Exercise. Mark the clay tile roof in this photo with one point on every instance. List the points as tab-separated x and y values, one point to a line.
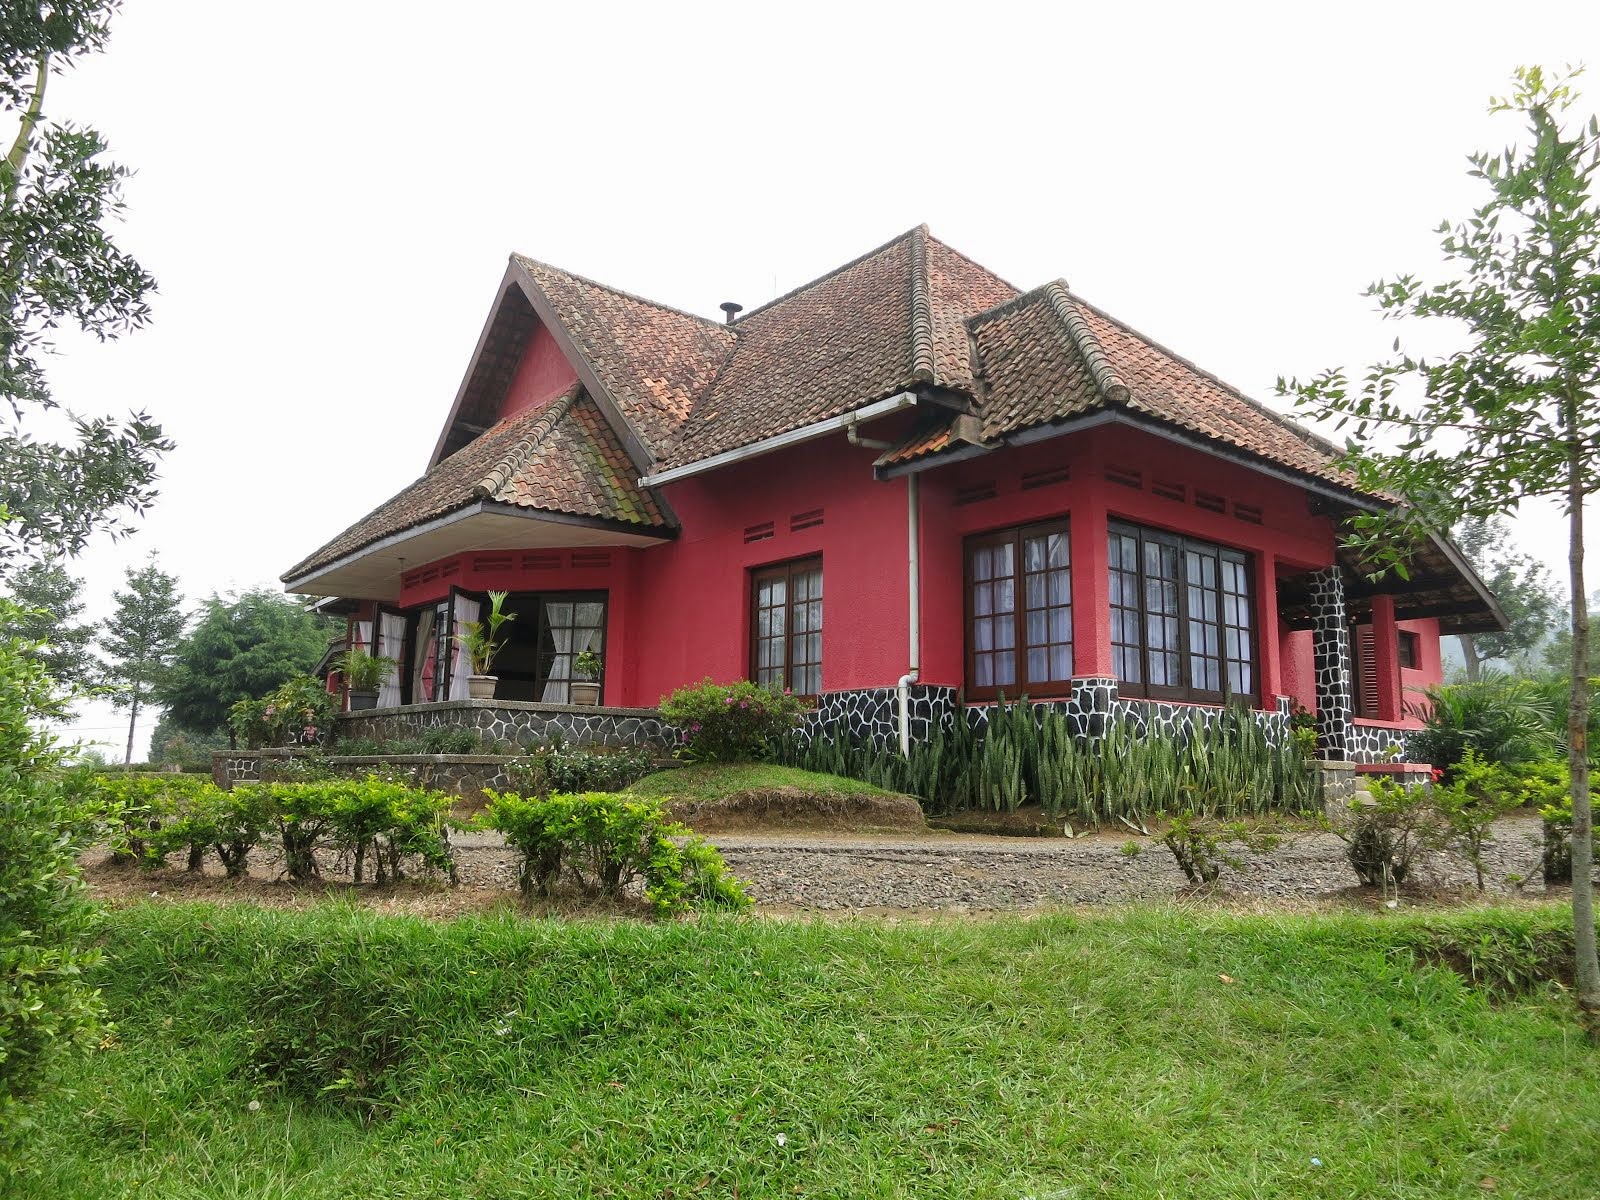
1048	355
561	458
652	360
881	324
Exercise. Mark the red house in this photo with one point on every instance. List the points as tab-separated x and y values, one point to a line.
903	482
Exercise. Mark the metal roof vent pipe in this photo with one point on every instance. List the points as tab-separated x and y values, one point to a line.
731	309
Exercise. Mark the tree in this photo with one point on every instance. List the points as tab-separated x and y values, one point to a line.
1513	413
47	606
141	640
240	649
57	265
46	1004
1558	650
1519	581
170	744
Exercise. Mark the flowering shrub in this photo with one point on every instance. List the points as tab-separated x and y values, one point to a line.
725	722
299	712
559	766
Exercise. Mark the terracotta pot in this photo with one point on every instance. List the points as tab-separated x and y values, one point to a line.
481	687
585	692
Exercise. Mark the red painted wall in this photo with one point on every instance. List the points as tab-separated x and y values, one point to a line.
681	610
1300	679
543	373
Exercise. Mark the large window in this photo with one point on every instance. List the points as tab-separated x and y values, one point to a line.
1019	612
1182	617
538	660
786	620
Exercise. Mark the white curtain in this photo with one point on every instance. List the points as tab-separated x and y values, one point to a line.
391	640
558	619
460	661
424	670
362	638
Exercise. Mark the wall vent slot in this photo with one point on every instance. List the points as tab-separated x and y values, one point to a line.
450	570
977	493
1210	501
759	533
540	562
1247	512
1125	477
806	520
410	579
1046	477
1168	490
591	558
492	562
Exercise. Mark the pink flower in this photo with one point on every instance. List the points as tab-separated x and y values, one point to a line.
695	728
727	699
744	704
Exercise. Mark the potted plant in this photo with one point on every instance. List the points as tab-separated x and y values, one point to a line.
587	671
363	674
483	643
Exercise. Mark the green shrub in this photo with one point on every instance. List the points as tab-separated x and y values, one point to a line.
558	766
1547	786
358	817
606	842
1478	794
730	722
46	1006
1384	834
136	812
1197	842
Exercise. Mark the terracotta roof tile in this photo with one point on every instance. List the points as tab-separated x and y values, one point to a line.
1048	356
652	360
881	324
561	458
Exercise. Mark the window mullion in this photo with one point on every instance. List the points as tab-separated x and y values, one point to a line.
1019	614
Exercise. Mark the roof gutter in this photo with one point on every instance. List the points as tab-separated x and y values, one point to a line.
899	402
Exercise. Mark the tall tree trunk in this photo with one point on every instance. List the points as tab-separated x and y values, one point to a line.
1588	963
1469	651
133	720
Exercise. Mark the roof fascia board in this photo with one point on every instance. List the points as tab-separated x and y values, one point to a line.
506	281
1470	574
631	442
805	433
461	514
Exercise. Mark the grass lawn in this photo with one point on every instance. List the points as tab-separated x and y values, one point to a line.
717	781
1167	1052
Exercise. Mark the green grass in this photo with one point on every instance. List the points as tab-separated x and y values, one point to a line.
1069	1056
715	781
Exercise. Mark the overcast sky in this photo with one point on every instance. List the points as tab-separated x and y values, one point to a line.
327	193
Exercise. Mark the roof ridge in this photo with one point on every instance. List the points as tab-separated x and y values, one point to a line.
967	258
826	275
1106	377
923	366
511	462
986	315
524	260
1306	435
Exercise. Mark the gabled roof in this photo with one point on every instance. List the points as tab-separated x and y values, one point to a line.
563	458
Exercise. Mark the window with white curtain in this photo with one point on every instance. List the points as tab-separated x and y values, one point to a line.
569	624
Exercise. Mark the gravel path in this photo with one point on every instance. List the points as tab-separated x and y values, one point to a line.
970	873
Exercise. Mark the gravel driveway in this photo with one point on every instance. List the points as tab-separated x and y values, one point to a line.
959	872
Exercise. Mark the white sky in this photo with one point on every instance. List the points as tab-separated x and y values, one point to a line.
327	193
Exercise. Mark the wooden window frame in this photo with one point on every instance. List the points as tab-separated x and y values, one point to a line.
1015	535
1186	692
785	570
1408	649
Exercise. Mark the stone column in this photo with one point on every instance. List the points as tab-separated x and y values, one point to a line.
1330	647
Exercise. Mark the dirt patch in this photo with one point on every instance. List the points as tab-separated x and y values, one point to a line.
792	808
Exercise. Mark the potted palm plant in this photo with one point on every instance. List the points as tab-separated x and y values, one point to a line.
587	670
363	674
482	641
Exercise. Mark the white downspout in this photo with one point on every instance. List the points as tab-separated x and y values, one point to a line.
913	591
914	608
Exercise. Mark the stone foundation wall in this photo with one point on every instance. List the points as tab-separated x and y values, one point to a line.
516	722
1377	745
871	714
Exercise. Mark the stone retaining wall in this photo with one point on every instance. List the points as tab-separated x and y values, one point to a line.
515	721
464	775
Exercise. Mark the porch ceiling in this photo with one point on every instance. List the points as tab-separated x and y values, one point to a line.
373	573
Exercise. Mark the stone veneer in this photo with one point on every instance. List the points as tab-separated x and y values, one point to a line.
1330	649
869	714
515	721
